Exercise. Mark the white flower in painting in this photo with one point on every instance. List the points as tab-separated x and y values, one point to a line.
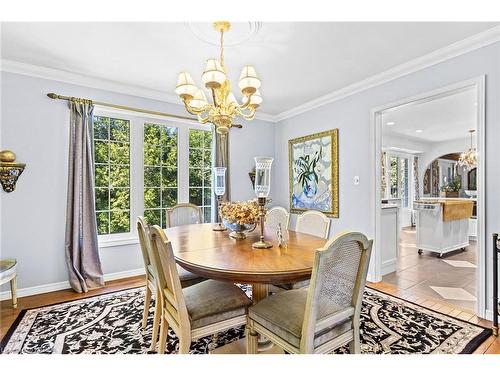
319	168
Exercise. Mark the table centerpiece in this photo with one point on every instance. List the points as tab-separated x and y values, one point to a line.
239	217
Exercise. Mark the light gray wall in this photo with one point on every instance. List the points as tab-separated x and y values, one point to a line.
352	116
33	216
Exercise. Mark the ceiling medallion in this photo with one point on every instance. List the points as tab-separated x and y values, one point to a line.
224	107
240	32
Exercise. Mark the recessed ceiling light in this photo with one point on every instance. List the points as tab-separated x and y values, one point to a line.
418	131
390	123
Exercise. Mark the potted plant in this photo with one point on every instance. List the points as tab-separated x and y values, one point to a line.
451	189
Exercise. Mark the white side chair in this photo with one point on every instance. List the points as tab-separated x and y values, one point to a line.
278	215
184	214
8	272
314	223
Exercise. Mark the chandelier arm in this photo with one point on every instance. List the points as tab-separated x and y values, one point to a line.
247	116
203	120
195	111
247	103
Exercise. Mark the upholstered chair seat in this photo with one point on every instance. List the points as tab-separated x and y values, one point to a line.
187	278
283	314
213	301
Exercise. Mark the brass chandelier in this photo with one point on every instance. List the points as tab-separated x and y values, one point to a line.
468	159
224	107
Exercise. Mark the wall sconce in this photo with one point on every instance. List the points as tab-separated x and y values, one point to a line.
9	170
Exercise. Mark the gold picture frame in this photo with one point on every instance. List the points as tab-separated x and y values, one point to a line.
314	173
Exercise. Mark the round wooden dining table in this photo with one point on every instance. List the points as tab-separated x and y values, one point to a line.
215	255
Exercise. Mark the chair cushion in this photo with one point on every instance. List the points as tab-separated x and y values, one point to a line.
283	314
7	268
213	301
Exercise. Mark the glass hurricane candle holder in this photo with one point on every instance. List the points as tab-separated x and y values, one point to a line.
220	190
262	189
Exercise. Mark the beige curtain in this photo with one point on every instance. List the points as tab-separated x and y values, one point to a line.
222	160
82	253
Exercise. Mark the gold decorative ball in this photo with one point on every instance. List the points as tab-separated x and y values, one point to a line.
7	156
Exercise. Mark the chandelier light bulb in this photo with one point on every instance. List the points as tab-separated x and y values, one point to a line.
214	76
199	100
185	88
249	82
255	99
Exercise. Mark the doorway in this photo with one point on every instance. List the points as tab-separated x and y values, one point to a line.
420	174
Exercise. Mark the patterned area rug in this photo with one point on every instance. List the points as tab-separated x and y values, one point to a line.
111	324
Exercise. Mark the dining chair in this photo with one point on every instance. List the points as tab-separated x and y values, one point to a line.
314	223
325	316
277	215
310	222
197	311
183	214
187	278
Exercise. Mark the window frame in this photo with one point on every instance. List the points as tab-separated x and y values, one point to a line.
136	137
399	156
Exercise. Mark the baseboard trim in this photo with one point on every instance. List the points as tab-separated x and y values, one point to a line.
46	288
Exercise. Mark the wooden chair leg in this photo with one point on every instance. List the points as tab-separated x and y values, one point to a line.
354	345
252	341
147	303
156	322
213	344
163	336
184	344
13	291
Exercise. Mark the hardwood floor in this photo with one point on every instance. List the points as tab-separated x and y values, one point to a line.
8	314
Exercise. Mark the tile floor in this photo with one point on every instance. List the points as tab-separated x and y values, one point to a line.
451	279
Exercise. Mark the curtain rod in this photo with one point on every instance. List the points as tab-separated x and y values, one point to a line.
124	107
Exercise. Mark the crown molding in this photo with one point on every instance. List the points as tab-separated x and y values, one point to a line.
456	49
17	67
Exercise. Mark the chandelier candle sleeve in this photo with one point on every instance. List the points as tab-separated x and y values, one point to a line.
220	189
262	189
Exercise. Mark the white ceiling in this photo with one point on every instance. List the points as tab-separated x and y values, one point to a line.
297	62
441	119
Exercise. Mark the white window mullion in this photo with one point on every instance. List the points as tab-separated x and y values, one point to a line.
183	165
136	171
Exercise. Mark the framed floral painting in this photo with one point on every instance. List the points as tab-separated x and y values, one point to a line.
314	173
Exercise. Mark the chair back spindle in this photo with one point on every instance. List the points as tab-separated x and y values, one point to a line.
162	258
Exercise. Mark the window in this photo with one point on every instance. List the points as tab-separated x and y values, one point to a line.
399	179
145	165
112	174
160	172
200	171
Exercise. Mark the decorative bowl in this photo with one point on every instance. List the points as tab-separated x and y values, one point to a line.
239	231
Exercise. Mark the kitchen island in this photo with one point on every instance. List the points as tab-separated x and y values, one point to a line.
442	224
